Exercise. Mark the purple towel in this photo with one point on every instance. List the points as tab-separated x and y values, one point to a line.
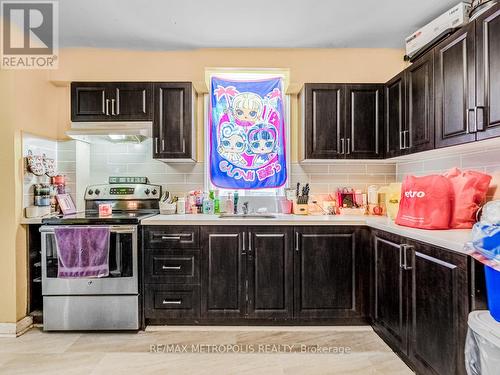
82	252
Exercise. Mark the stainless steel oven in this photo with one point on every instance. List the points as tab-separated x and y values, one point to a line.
106	303
93	303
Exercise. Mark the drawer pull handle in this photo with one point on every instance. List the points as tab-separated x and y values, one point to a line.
171	267
172	302
171	238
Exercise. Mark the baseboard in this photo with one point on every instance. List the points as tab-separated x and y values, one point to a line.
16	329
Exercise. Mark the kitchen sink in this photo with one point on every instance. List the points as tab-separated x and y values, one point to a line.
247	216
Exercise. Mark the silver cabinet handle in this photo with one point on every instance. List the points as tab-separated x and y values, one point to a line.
467	121
113	107
156	145
244	240
107	107
163	144
480	124
249	241
171	238
297	239
170	267
405	257
172	302
401	141
348	148
401	247
342	145
403	263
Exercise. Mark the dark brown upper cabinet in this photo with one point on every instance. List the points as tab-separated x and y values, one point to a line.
395	123
364	130
323	106
487	114
342	121
111	101
419	112
455	88
132	101
409	109
173	124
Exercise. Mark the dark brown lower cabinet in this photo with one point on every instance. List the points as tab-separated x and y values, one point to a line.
416	296
390	285
247	273
223	272
422	303
328	284
270	273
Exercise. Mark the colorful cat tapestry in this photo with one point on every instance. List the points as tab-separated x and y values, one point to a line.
247	134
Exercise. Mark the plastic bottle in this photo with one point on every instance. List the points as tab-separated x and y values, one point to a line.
181	206
206	203
216	202
235	204
228	204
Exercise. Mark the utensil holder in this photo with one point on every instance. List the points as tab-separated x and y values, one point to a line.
168	208
300	209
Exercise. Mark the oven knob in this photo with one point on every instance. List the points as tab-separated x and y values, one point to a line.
154	192
97	191
90	192
147	191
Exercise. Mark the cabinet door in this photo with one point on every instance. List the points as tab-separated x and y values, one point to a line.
132	101
419	133
324	118
395	116
364	134
270	272
90	102
488	73
325	273
439	305
390	294
455	88
173	121
223	272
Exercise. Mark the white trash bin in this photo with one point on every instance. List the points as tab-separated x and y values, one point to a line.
482	346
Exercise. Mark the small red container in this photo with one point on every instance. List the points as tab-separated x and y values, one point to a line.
105	209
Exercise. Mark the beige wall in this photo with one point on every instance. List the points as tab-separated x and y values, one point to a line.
26	104
38	102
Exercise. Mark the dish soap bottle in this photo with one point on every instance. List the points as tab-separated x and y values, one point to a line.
216	202
228	204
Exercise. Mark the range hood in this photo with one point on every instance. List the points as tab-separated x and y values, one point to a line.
114	132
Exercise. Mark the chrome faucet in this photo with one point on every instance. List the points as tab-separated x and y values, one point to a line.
245	208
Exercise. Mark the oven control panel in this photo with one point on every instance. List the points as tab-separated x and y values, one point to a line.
122	191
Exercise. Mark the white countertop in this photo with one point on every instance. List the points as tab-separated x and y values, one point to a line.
453	239
31	220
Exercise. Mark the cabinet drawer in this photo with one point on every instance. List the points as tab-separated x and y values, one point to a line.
173	267
177	237
172	302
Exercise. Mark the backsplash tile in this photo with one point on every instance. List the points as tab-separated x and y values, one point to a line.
487	161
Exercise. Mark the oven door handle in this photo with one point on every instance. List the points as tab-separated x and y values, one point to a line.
112	229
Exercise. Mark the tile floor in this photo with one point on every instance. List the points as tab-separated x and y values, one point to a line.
175	350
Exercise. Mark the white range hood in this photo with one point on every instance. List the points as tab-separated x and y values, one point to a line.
114	132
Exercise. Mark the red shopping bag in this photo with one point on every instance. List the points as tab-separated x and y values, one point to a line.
425	202
469	192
